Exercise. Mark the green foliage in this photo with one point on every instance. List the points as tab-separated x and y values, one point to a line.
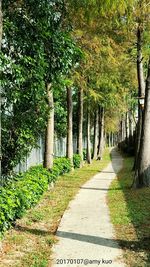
60	112
36	49
76	160
20	195
26	190
62	164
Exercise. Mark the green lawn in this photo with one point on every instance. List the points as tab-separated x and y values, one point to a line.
29	242
130	214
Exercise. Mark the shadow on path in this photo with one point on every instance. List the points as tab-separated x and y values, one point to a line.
101	241
38	232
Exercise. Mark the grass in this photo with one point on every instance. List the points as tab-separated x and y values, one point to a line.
29	242
130	214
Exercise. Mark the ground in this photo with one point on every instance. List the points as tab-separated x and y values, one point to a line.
30	241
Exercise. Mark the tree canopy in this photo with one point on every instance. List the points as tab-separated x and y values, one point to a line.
88	45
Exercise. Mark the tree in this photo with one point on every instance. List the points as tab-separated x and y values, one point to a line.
69	149
142	173
25	65
47	55
101	133
30	62
140	73
49	137
80	123
95	143
88	154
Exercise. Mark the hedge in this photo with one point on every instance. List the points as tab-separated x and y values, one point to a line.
26	190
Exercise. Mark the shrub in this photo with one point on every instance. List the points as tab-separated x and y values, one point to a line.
76	160
21	195
26	190
63	164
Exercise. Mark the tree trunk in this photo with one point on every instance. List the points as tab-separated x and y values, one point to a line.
130	129
121	131
141	91
138	137
95	135
142	173
49	137
127	129
101	133
99	125
80	125
112	139
69	148
88	154
124	129
140	72
109	141
0	87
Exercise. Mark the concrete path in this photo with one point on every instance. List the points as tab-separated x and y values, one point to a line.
86	235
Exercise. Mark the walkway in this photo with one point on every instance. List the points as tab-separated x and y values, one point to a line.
86	235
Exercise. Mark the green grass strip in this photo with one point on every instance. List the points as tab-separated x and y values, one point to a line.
130	215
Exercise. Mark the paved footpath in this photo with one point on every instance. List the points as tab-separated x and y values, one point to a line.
86	235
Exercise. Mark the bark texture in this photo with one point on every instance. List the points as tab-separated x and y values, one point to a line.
69	148
101	133
141	91
80	124
109	140
142	173
124	129
130	129
88	155
121	131
49	137
112	139
127	128
95	145
140	72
